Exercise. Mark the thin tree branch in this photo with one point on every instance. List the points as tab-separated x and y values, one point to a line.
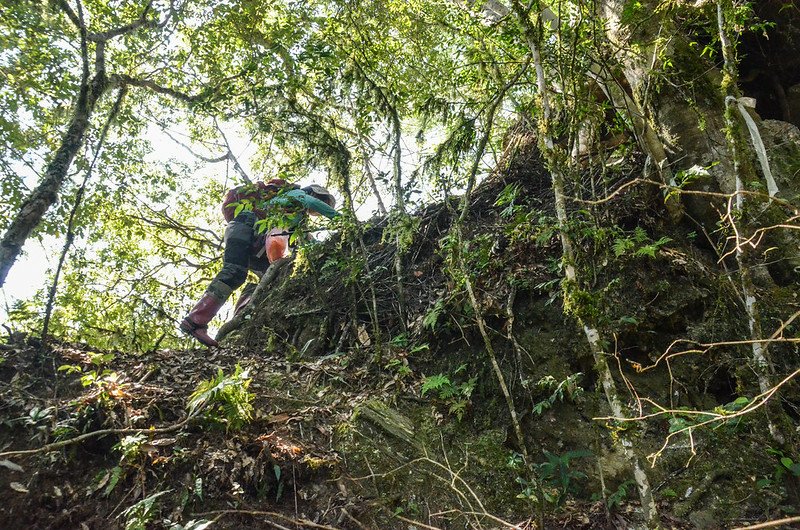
208	159
230	156
155	87
142	21
71	14
103	432
770	524
256	513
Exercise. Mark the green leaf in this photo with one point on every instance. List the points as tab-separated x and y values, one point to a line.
116	473
198	488
458	408
435	382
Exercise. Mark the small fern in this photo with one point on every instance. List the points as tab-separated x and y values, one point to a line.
638	243
561	391
224	399
456	396
436	382
432	317
140	514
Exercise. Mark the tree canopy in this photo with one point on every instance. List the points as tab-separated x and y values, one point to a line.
387	101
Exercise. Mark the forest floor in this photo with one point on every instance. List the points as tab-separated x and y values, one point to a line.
154	469
329	407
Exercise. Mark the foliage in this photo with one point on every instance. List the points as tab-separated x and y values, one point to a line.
638	244
680	421
557	474
785	469
619	495
386	98
559	391
108	479
140	514
468	257
192	524
40	418
456	396
431	318
507	200
224	399
401	230
130	446
399	366
107	386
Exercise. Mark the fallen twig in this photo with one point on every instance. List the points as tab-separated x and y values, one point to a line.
353	519
770	524
103	432
255	513
416	523
755	403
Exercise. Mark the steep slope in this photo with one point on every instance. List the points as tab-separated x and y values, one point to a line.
363	419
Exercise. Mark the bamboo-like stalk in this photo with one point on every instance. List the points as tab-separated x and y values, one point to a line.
482	327
400	211
73	214
546	146
359	236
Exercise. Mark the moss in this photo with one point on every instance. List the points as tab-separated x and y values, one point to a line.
584	305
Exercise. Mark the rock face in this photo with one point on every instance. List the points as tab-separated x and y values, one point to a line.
793	103
771	59
782	140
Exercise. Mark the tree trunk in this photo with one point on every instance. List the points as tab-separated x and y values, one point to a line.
554	166
74	214
676	135
46	193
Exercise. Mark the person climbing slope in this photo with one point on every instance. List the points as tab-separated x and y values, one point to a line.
261	218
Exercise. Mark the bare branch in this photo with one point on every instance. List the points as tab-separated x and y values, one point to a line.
155	87
103	432
71	14
142	21
230	156
714	417
255	513
210	160
770	524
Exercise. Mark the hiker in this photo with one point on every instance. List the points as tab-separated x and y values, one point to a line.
248	250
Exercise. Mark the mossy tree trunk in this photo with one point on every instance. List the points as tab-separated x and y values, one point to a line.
555	163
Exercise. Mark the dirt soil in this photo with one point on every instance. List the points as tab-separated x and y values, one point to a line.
396	419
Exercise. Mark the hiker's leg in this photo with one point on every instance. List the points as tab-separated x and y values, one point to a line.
238	239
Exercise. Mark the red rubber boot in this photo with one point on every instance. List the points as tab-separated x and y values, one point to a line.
196	322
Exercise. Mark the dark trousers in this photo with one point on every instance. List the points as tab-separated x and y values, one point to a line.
241	255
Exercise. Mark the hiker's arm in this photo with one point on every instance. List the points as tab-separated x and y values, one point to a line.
312	203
